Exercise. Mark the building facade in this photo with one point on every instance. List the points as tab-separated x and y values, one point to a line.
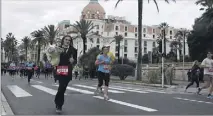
109	26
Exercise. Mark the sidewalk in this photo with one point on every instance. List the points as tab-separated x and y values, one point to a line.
5	108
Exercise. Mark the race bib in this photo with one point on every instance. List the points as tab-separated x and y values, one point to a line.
62	70
210	69
106	67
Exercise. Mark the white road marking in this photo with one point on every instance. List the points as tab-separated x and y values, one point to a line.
18	92
45	89
192	100
89	87
2	110
136	91
78	90
37	81
128	104
148	90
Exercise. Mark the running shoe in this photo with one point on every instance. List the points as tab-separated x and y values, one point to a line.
210	97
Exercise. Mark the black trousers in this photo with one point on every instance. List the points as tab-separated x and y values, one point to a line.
30	74
193	79
103	77
59	98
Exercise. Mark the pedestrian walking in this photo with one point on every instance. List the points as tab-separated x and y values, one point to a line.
68	59
195	72
207	64
103	63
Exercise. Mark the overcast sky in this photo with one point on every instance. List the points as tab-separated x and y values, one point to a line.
21	17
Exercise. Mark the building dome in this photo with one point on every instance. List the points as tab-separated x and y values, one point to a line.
93	11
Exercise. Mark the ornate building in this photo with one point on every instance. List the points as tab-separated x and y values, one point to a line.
110	26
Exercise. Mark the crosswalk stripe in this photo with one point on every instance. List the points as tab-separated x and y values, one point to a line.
139	89
136	91
78	90
128	104
37	81
89	87
45	89
18	92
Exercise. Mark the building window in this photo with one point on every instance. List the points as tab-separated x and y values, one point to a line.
125	49
97	26
116	54
136	35
98	46
97	32
125	42
153	45
153	36
136	29
98	40
153	30
136	49
144	30
83	16
93	16
136	42
145	50
145	43
66	26
102	26
116	28
125	34
116	33
170	37
101	33
136	55
126	28
125	55
144	35
170	32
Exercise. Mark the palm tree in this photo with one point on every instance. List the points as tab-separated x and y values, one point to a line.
140	11
208	4
50	33
174	45
181	35
84	27
26	42
163	26
38	38
118	39
10	45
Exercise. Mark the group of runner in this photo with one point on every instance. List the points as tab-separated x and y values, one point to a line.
207	65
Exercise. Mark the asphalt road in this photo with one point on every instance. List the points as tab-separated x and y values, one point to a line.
38	99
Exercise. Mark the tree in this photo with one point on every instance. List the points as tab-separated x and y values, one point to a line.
10	46
200	40
50	33
38	38
118	39
181	35
26	41
84	28
164	26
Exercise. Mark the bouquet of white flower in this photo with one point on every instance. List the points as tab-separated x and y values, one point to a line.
53	53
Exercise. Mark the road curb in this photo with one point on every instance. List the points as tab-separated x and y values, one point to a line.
5	105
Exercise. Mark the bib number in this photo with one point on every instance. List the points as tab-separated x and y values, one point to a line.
106	67
210	69
62	70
